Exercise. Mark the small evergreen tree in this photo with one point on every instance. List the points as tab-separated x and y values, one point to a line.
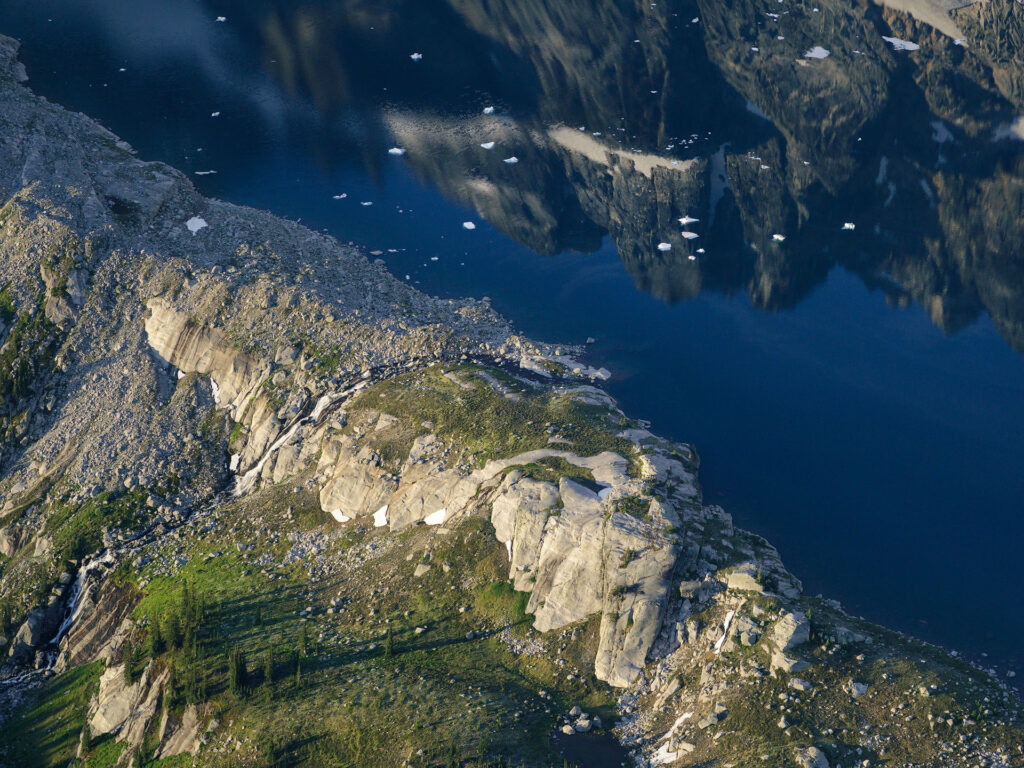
156	640
268	667
238	673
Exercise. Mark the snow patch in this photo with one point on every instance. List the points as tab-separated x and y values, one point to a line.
195	224
380	517
817	52
436	518
340	516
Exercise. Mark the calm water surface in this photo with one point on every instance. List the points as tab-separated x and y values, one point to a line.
855	394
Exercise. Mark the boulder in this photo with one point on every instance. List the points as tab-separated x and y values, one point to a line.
745	577
791	630
812	757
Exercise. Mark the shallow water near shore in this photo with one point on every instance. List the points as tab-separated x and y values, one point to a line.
854	398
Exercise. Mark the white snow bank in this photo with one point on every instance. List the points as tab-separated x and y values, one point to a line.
436	518
380	517
195	224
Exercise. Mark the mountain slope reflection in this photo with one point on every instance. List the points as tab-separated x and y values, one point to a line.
633	116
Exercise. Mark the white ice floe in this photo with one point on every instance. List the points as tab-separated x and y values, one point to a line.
436	518
689	235
468	225
222	18
488	110
664	246
901	45
205	173
940	133
687	220
215	114
691	257
512	160
366	202
380	517
488	145
195	224
396	151
779	238
416	56
849	226
340	516
342	196
817	52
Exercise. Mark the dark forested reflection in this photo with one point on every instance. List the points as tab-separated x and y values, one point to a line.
700	109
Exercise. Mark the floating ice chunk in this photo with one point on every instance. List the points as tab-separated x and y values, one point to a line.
817	52
488	145
342	196
940	133
849	226
366	202
416	56
380	517
215	114
468	225
436	518
687	220
396	151
779	238
123	69
488	110
512	160
205	173
664	246
901	45
690	235
691	257
222	18
340	516
700	250
195	224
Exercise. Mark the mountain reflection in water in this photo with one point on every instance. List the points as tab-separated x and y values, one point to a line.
626	117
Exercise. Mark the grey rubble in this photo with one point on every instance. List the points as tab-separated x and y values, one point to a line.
273	329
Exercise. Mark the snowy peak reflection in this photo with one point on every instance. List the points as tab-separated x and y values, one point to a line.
746	146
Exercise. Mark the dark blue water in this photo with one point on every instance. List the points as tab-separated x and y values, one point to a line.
856	396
